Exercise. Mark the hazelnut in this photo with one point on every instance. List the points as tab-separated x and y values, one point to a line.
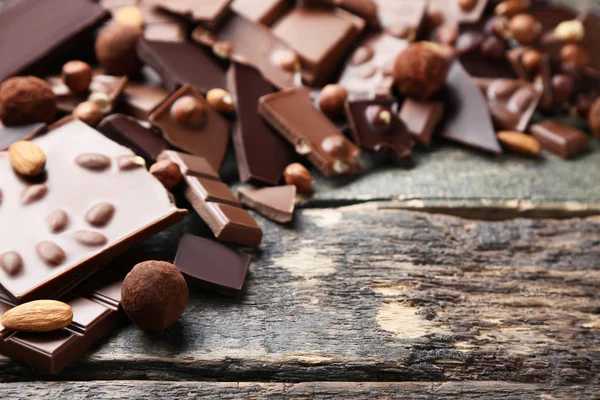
562	88
531	60
332	99
434	18
220	100
222	49
594	118
77	75
493	48
335	146
575	54
129	16
286	59
167	172
570	31
496	26
467	5
447	35
510	8
88	112
421	70
296	174
188	110
378	116
25	100
154	295
116	49
102	100
524	28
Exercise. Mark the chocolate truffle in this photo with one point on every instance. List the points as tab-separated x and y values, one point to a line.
25	100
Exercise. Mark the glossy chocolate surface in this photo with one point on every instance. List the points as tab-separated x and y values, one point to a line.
11	134
421	118
67	101
560	139
264	12
276	203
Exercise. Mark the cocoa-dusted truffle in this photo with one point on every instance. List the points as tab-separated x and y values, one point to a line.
25	100
116	49
154	295
421	70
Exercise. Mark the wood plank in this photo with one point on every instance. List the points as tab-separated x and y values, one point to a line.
308	390
362	294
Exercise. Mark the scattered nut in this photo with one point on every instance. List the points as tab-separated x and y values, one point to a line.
524	28
33	193
167	172
571	31
378	116
116	49
25	100
332	100
93	161
421	70
102	100
520	143
575	54
11	262
286	59
26	158
57	221
531	60
296	174
50	253
467	5
100	214
188	110
335	146
222	49
77	75
129	16
510	8
154	295
38	316
594	118
88	112
220	100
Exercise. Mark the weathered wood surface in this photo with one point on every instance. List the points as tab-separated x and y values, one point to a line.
308	390
367	294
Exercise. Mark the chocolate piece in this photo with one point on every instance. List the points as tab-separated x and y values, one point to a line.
212	265
138	213
560	139
252	137
94	316
369	71
142	97
401	18
421	118
129	133
292	113
550	16
276	203
181	63
468	118
206	12
321	37
207	139
214	202
11	134
255	44
375	126
264	12
454	14
591	25
41	32
67	101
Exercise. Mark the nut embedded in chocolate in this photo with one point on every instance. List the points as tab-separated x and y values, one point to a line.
332	99
296	174
594	118
25	100
154	295
531	60
575	54
102	100
286	59
116	49
222	49
188	110
379	116
421	70
88	112
77	75
167	172
524	28
335	146
220	100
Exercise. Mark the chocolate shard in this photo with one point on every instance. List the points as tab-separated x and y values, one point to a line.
421	118
12	134
265	12
252	137
211	265
468	119
560	139
276	203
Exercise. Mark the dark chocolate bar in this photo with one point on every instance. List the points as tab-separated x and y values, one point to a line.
421	118
11	134
214	202
83	211
560	139
276	203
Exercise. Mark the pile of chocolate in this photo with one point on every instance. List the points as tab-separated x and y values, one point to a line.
112	111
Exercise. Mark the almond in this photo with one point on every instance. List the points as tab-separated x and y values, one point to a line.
38	316
520	143
26	158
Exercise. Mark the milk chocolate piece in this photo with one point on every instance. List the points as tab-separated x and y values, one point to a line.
214	202
264	12
208	139
144	94
468	119
560	139
276	203
37	34
181	63
366	9
401	18
206	12
212	265
137	214
11	134
128	132
321	36
292	113
67	101
252	137
421	118
368	72
375	126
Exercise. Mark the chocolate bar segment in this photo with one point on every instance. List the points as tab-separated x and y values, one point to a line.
401	18
560	139
421	118
214	202
84	181
208	139
252	137
11	134
292	113
264	12
276	203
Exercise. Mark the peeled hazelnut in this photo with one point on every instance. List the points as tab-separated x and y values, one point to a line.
467	5
154	295
167	172
332	99
26	158
296	174
88	112
531	60
447	35
510	8
575	54
562	88
116	49
378	116
493	48
188	110
335	146
77	75
570	31
25	100
129	16
220	100
286	59
102	101
594	118
524	28
222	49
421	70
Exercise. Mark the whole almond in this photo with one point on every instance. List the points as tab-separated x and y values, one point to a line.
520	143
100	214
38	316
26	158
93	161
